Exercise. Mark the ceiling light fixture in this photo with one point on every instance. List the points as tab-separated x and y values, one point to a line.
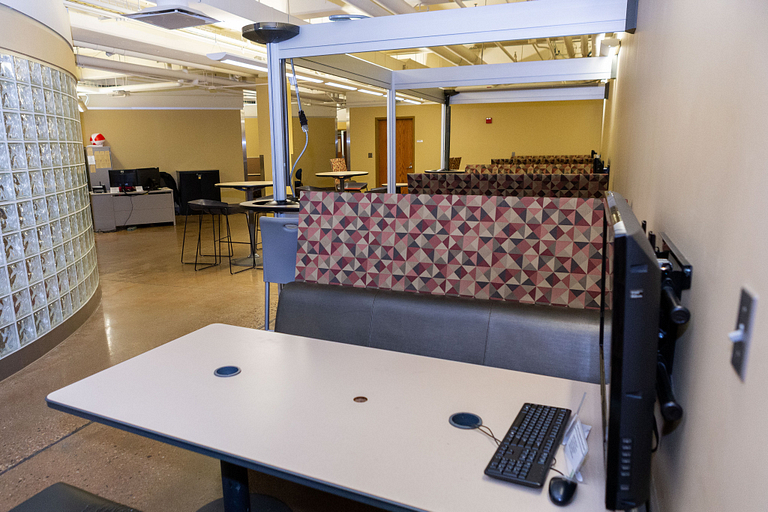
372	93
309	79
234	60
341	86
413	102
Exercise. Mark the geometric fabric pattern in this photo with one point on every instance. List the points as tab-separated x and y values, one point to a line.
529	168
584	186
544	159
527	249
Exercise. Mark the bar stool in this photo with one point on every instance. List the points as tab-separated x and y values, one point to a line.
214	209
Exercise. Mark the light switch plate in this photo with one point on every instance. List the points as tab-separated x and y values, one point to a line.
744	320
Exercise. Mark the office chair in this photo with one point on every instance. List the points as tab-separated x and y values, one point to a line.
279	244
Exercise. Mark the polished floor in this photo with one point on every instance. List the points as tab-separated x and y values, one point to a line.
148	298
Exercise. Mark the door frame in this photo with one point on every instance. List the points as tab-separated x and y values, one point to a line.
376	120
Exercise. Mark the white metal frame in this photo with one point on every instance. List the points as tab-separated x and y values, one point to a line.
505	22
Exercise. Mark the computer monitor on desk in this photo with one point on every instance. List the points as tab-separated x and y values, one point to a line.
149	178
631	389
122	178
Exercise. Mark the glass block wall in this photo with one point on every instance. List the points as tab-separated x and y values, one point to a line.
47	258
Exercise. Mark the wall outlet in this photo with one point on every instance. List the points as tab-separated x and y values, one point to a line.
743	333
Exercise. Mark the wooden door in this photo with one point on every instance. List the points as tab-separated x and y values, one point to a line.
406	142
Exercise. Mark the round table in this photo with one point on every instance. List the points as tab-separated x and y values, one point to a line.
443	171
398	186
341	176
250	188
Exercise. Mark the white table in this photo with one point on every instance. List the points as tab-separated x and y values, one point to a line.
341	176
291	413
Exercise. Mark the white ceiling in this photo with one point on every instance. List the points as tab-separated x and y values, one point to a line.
115	52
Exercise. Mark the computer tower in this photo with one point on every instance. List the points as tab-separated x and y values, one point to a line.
197	185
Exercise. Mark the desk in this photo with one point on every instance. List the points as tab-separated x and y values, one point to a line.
291	413
250	188
341	176
132	208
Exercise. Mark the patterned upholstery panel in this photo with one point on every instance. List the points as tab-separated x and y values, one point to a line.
515	185
531	250
544	159
529	168
338	165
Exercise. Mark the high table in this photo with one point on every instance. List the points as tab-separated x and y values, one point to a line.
367	424
341	176
398	186
250	188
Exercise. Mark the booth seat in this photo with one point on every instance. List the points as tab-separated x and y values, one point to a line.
507	282
547	340
583	186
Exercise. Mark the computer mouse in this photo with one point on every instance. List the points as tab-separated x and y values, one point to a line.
561	490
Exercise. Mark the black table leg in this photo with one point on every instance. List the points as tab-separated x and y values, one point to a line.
234	483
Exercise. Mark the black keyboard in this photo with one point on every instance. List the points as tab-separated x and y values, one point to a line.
526	452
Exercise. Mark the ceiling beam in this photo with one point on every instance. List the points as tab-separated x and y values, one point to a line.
596	92
560	70
569	47
505	22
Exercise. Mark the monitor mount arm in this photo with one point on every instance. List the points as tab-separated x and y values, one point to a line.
676	273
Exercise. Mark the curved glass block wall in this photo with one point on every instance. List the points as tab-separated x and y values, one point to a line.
47	256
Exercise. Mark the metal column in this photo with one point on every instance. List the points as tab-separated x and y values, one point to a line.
391	140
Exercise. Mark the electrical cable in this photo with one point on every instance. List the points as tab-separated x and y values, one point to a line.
304	128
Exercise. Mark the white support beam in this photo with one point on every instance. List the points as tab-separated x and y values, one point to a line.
351	68
598	68
596	92
504	22
391	141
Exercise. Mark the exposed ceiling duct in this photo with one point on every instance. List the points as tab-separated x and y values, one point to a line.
172	15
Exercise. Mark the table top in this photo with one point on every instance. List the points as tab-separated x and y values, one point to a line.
340	174
244	184
396	184
291	413
265	205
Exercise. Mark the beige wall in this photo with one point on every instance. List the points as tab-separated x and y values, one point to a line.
362	136
535	128
321	148
174	140
688	150
252	147
18	34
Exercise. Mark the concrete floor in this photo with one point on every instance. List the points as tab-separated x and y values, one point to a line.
148	298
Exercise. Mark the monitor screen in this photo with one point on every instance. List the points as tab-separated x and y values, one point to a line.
149	178
631	393
122	178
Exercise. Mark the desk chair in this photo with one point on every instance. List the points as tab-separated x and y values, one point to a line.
279	238
214	208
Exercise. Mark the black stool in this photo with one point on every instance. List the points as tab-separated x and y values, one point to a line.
214	209
61	497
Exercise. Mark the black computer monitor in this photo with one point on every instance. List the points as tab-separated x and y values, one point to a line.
149	178
122	178
631	390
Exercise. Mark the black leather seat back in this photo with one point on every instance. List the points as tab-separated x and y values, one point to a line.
333	313
548	340
430	325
